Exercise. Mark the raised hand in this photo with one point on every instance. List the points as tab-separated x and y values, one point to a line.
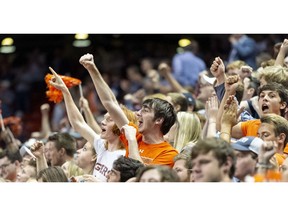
212	108
87	61
57	82
231	83
217	67
230	114
37	149
130	131
164	69
83	103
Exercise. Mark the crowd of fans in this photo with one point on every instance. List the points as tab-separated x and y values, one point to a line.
182	119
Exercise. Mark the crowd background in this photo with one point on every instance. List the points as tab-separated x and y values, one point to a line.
199	195
22	72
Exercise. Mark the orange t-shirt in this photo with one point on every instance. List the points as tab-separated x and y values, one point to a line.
250	127
152	153
280	158
286	148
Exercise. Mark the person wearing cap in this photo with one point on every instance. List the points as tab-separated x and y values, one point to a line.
246	150
178	100
191	101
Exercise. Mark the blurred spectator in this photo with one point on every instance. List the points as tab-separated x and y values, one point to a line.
186	66
243	48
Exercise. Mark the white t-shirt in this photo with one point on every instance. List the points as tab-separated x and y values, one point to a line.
105	159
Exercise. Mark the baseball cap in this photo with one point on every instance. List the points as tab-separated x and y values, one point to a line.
210	80
26	144
248	143
190	99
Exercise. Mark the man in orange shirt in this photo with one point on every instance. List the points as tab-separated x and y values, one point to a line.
275	128
144	142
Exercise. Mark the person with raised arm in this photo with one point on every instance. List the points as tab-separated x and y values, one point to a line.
107	144
155	118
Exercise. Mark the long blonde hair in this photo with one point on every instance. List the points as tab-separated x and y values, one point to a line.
188	130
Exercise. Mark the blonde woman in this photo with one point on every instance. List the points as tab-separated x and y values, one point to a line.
186	132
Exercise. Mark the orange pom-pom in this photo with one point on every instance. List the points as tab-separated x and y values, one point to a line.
54	94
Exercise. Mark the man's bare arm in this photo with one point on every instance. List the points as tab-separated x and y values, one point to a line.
105	94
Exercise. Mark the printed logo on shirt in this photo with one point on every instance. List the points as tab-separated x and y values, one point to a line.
146	160
102	169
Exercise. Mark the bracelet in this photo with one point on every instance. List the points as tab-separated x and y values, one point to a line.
263	165
212	122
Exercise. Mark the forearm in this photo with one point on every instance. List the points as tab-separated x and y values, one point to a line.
108	98
91	120
103	90
75	118
176	86
45	125
221	110
280	58
41	163
133	149
225	132
211	128
205	130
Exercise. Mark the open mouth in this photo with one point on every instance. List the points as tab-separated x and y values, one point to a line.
140	123
265	108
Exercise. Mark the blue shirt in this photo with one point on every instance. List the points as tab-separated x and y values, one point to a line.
186	68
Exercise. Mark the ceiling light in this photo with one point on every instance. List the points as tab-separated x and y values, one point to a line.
184	42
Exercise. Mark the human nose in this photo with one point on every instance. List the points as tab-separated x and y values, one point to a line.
195	168
265	98
103	122
138	113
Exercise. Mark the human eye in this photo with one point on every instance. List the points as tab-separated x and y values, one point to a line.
266	134
203	162
272	95
109	119
146	110
178	170
239	155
